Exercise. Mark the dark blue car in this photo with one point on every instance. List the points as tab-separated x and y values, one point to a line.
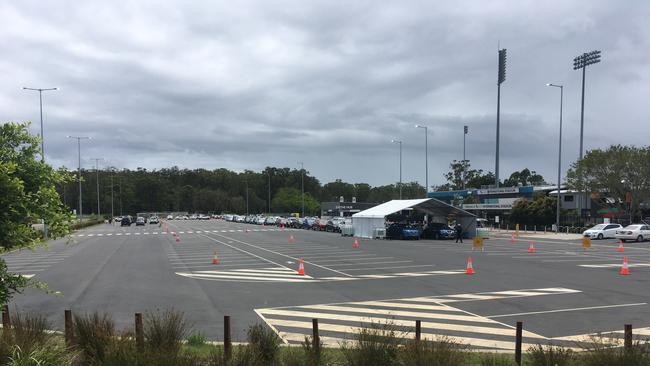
438	231
402	232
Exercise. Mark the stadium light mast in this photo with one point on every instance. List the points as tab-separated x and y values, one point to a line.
465	132
559	161
501	77
581	62
40	98
400	165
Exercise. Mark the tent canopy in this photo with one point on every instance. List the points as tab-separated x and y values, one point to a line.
367	221
430	206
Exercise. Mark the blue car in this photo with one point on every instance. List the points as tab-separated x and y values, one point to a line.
402	232
438	231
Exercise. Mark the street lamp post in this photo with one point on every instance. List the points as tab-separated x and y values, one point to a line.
269	174
97	181
426	158
302	185
79	138
40	99
400	165
465	131
559	160
112	213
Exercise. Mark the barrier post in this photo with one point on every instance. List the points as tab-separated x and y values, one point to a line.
69	334
6	321
518	337
315	335
139	332
628	337
418	330
227	342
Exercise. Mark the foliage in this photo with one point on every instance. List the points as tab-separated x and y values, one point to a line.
524	177
164	330
11	283
376	345
27	190
473	178
620	172
441	352
539	211
290	200
94	334
264	344
196	339
48	354
550	356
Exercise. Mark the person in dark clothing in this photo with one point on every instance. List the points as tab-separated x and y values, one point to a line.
459	233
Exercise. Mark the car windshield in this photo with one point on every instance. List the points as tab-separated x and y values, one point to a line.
633	227
598	227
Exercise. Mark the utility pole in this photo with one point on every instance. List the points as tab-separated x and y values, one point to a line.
269	174
400	165
501	77
559	161
112	213
426	158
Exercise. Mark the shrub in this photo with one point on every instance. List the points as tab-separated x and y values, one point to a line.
47	354
264	344
550	356
496	359
28	331
165	331
196	339
441	352
376	345
603	351
93	334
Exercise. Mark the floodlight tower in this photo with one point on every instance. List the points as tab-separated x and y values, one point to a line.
581	62
501	77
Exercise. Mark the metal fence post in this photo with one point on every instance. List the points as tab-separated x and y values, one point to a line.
518	336
227	342
418	330
6	321
139	336
69	334
628	337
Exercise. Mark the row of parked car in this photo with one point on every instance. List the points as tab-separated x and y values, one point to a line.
309	223
636	232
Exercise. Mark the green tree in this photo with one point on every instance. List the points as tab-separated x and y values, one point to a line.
289	200
333	190
474	178
619	172
28	195
524	177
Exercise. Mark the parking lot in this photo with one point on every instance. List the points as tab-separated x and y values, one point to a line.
561	292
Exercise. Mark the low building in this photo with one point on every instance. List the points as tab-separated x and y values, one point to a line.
343	209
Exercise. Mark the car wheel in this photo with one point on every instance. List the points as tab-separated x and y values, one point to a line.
600	236
639	238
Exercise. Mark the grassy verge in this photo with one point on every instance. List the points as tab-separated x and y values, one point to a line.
168	340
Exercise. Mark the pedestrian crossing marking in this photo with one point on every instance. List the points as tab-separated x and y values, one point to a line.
340	321
614	265
275	274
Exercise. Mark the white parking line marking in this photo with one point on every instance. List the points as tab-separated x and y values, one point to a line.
567	310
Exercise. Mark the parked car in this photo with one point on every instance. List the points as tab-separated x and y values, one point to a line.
293	223
307	223
319	225
269	220
170	217
602	231
437	231
402	232
638	232
126	221
154	220
140	221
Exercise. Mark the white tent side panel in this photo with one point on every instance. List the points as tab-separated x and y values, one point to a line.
364	226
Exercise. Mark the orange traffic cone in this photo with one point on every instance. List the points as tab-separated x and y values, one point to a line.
215	258
356	244
470	267
531	248
301	268
512	238
625	270
282	227
620	246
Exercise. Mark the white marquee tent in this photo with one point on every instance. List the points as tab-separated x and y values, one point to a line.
365	222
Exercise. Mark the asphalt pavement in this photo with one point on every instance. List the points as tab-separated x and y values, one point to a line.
561	292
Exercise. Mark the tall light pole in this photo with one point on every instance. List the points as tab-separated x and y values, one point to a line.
426	158
400	165
112	213
302	186
465	131
269	174
40	99
559	160
581	62
97	180
501	77
79	138
246	180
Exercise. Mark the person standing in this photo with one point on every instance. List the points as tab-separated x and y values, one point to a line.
459	233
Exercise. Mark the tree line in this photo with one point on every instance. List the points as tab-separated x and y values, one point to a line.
220	190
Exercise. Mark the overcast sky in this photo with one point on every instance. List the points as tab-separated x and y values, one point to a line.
249	84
